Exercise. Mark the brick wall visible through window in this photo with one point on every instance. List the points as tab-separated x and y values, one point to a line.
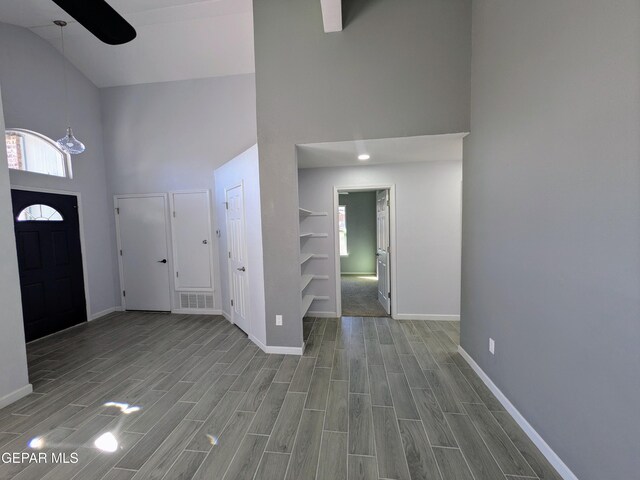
33	152
15	149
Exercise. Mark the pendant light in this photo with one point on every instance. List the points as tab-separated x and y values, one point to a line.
68	143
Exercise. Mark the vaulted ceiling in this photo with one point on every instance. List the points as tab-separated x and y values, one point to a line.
177	39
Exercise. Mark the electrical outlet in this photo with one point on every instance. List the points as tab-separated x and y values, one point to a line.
278	320
492	346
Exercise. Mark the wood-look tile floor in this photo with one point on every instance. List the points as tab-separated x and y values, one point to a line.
371	398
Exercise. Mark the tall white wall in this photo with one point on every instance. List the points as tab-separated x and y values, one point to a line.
169	136
244	170
428	216
31	75
14	381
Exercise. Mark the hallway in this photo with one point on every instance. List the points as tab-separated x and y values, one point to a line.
360	296
371	398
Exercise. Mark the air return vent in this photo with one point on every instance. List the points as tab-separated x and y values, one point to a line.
196	301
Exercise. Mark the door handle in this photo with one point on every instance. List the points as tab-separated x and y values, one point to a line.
164	260
241	269
205	242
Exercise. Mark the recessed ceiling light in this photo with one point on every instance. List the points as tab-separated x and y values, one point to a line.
364	156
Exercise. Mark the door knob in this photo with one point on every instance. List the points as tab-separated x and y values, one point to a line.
242	269
164	260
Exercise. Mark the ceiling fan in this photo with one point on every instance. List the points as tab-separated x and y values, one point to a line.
101	19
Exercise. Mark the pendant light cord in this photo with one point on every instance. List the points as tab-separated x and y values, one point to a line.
66	81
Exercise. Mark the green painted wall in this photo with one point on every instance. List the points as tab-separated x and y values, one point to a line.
361	233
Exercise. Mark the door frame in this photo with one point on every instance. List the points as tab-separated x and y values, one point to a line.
226	240
392	238
167	234
174	250
83	252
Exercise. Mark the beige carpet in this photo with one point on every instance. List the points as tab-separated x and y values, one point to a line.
360	296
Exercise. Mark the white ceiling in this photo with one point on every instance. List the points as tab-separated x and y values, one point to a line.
177	39
425	148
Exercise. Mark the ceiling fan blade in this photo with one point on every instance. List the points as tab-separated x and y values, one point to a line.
101	19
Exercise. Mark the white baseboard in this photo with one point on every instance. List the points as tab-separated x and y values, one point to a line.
368	274
105	312
226	315
197	311
16	395
322	314
535	437
421	316
280	350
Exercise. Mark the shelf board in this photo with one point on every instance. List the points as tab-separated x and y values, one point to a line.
313	235
306	303
304	213
305	257
305	281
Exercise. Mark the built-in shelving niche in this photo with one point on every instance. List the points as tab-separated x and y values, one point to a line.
307	278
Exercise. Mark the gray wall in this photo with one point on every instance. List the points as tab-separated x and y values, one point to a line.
551	251
171	136
427	230
13	356
399	68
33	89
361	233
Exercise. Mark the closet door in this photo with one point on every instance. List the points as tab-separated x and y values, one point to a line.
191	234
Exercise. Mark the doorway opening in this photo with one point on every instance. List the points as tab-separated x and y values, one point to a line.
50	261
363	241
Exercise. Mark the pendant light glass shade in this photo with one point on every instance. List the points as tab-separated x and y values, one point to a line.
71	144
68	143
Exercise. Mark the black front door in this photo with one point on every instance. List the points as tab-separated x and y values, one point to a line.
50	261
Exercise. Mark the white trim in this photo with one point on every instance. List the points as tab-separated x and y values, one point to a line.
426	316
104	313
280	350
197	311
322	314
83	251
392	239
535	437
167	227
226	315
174	251
358	273
16	395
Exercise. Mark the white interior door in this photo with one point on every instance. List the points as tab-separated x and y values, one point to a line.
191	228
142	232
382	248
236	244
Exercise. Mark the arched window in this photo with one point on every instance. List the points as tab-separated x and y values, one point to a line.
39	213
33	152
